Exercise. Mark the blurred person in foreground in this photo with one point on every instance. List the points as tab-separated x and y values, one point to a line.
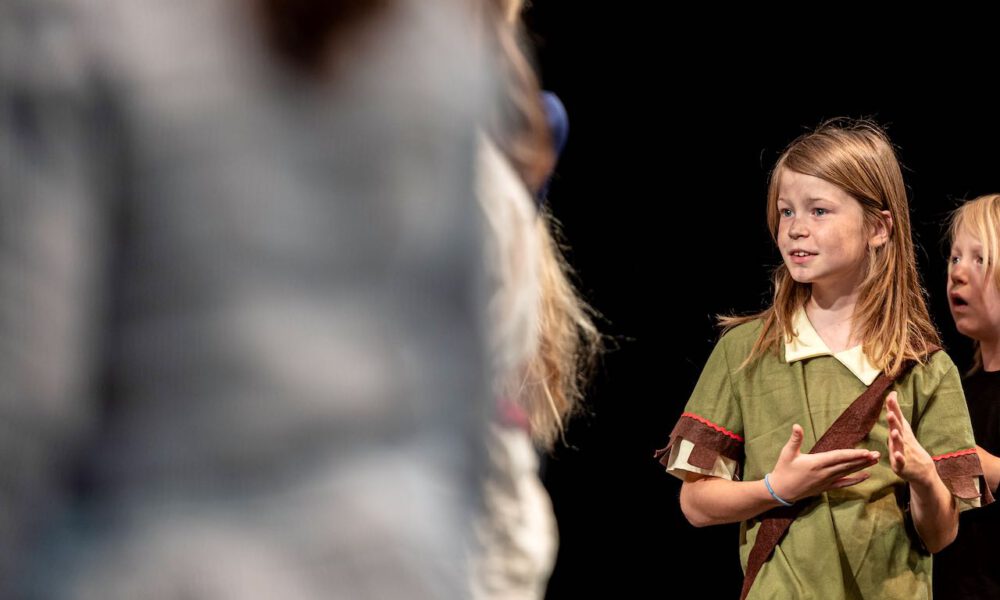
241	301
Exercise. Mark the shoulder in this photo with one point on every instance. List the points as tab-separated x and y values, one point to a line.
938	366
739	341
734	347
937	374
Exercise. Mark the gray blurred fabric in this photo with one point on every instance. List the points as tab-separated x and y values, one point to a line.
241	313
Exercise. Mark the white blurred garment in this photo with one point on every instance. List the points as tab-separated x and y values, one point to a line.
512	262
518	533
516	536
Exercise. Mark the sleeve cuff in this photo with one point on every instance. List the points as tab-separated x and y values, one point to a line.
962	473
699	446
678	462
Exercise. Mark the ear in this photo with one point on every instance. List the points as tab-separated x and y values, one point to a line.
883	229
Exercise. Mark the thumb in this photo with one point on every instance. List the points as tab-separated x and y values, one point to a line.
794	444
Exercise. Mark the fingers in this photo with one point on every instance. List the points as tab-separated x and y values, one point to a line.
834	458
794	443
849	481
897	456
899	433
892	419
843	482
843	469
895	438
894	413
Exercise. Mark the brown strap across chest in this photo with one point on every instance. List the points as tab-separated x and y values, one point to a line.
850	428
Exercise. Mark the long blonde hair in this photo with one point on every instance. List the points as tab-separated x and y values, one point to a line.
569	344
980	218
550	390
891	317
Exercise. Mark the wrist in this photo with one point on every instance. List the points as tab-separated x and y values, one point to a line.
781	500
926	478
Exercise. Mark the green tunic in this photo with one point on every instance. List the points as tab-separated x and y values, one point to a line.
856	542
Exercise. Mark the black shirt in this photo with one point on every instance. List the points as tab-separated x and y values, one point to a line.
969	569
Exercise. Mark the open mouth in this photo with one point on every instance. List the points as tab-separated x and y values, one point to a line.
799	257
958	301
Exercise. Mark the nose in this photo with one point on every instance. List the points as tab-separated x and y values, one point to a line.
957	273
797	228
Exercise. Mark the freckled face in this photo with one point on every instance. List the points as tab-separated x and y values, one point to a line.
821	231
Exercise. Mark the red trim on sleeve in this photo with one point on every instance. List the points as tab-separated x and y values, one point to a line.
718	428
954	454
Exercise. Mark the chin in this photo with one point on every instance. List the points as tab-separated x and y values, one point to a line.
965	330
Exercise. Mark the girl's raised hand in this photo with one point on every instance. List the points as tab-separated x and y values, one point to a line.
907	457
798	475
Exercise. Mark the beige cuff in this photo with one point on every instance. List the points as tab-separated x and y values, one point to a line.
967	503
677	464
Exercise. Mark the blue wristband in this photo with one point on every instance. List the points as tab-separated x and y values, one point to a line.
767	482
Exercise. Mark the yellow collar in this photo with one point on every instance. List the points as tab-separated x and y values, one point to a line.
806	344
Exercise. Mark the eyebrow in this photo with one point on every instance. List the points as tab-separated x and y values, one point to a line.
812	200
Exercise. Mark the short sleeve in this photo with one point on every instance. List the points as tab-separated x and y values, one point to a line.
943	428
708	436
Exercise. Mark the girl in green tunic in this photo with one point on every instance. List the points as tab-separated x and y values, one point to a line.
848	306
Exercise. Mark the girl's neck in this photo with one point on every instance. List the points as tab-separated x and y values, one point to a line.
832	316
990	351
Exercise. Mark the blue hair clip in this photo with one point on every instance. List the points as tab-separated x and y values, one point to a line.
558	122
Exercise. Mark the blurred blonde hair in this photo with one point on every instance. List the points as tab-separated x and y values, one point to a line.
568	348
891	317
550	387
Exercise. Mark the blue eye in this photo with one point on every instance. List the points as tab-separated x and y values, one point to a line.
785	212
821	211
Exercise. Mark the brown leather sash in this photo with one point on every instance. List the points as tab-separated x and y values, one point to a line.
850	428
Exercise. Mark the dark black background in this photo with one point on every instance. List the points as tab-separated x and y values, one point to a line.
661	191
